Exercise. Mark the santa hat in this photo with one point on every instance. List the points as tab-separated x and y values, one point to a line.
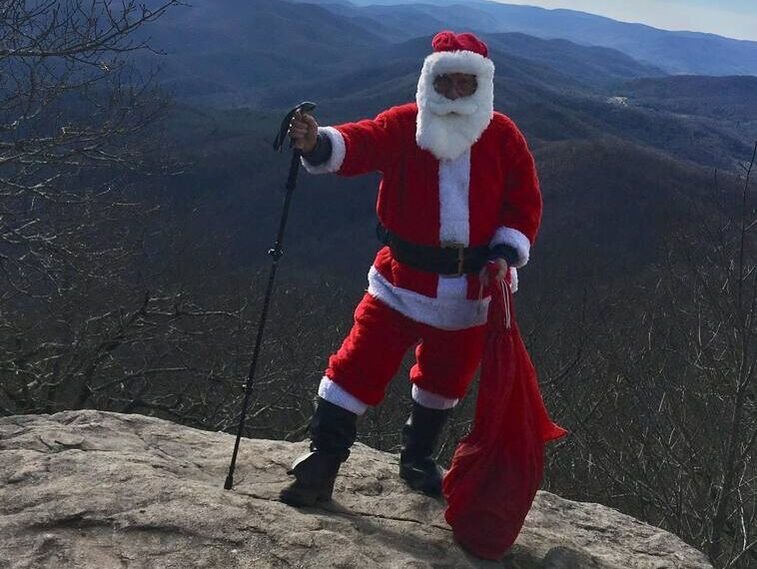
458	53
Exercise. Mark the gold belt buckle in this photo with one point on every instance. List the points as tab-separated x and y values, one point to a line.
460	248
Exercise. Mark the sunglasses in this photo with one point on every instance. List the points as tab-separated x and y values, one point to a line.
463	83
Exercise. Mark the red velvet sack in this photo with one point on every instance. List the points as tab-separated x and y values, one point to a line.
498	467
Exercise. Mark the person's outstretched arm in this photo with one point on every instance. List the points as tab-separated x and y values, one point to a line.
348	149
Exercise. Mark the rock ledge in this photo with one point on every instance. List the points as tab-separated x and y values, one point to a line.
97	490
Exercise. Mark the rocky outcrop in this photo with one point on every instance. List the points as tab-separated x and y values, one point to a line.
88	489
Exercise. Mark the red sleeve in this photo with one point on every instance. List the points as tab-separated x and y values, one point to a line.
364	146
522	206
370	144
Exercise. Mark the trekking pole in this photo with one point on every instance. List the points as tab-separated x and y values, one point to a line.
276	253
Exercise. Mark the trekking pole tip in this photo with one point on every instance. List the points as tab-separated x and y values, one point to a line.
229	482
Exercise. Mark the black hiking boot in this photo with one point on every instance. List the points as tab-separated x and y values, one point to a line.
332	432
420	436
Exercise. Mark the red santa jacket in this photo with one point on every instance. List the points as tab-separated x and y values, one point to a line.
487	196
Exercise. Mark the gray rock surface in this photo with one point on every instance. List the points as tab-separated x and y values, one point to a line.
89	489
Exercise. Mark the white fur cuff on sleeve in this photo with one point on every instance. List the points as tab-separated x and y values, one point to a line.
338	152
516	239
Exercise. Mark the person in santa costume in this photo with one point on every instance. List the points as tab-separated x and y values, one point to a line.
459	191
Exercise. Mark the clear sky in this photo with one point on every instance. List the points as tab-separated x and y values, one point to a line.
730	18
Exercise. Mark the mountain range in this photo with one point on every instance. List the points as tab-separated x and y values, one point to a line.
617	140
270	54
675	52
235	50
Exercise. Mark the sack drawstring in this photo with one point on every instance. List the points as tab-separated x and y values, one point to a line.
506	300
480	305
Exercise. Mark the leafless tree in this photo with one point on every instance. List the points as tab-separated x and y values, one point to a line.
72	110
662	411
720	338
70	103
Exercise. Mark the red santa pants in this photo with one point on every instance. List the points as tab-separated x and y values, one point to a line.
372	353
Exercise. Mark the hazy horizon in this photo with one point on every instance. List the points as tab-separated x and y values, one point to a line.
735	19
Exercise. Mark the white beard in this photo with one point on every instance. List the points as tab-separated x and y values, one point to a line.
447	128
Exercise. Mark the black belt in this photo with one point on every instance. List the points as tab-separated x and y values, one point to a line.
453	259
